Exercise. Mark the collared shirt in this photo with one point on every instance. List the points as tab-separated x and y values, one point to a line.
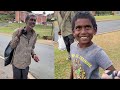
24	47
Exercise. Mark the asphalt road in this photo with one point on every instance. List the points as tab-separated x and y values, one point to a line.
108	26
5	72
103	27
44	69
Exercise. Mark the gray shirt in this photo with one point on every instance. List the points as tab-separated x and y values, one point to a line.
86	62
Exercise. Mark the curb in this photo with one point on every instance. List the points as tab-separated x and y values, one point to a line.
106	20
38	41
30	76
45	42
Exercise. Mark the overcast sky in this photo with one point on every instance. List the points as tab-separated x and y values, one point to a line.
40	12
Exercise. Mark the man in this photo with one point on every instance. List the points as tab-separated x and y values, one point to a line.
23	41
64	19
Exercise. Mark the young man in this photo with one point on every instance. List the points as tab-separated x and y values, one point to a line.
86	56
23	40
64	19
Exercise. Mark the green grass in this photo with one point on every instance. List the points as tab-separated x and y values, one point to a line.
43	30
62	66
40	29
9	29
5	17
108	17
110	42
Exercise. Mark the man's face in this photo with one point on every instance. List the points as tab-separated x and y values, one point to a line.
84	31
31	22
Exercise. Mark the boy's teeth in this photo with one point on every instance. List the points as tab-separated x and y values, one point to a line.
84	37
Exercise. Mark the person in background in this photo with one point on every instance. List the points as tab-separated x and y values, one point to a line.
64	20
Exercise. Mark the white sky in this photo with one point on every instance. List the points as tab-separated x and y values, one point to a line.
40	12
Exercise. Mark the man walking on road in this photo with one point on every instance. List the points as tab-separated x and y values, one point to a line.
23	41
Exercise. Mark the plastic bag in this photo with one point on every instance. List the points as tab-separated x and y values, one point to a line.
61	43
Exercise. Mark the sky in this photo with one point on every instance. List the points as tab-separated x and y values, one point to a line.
40	12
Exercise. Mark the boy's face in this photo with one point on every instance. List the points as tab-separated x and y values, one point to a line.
84	31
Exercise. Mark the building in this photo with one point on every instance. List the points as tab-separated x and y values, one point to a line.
116	12
21	15
41	19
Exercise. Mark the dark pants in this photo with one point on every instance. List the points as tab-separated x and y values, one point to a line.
20	73
68	41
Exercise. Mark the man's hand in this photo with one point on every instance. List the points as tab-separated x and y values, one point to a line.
35	57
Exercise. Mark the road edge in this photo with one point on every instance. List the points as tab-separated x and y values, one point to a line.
30	76
38	41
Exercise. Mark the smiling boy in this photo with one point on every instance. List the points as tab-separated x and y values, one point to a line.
86	56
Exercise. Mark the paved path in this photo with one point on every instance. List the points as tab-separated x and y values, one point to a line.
5	71
44	69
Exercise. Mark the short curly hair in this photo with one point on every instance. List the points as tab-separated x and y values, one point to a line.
28	17
84	14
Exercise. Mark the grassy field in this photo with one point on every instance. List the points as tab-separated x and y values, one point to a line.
45	30
107	17
5	17
40	29
110	42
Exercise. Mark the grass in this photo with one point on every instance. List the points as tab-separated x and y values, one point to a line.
5	17
62	66
9	29
110	43
40	29
108	17
44	30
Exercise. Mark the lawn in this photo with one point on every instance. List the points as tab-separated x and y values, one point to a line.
42	30
110	42
62	66
107	17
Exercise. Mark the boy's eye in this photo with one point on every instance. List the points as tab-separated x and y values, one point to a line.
87	27
78	27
